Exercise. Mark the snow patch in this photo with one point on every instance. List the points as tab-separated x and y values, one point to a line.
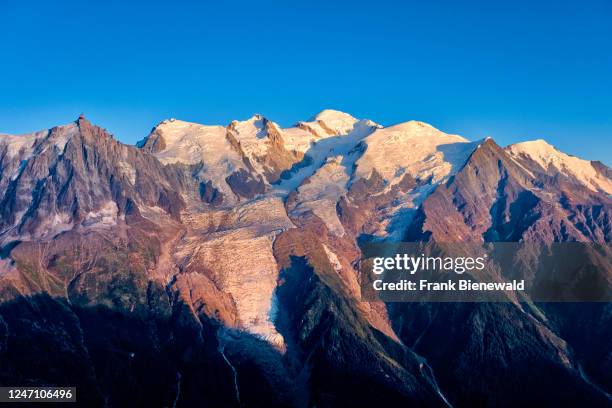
106	215
20	145
333	258
128	171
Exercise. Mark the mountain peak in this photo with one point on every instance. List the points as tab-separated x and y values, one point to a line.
81	120
414	125
332	114
335	120
534	144
329	113
255	117
433	155
170	122
550	159
538	150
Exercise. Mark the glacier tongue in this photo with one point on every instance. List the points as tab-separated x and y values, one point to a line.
236	246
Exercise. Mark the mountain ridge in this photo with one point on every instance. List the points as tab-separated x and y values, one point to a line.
237	247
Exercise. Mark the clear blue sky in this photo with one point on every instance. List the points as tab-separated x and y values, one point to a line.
515	71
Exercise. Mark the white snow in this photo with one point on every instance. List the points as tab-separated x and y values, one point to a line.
251	134
63	134
20	168
236	244
328	123
335	133
298	140
321	149
253	138
106	215
549	158
22	144
399	217
419	149
128	171
321	184
321	193
333	258
190	143
339	122
412	147
416	148
54	225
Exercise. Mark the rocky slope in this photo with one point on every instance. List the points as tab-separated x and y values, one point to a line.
218	266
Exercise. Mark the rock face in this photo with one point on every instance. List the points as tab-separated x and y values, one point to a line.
495	198
218	266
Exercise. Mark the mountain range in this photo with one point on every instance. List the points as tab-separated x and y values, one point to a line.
218	266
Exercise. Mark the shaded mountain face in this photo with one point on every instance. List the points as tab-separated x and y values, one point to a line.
218	266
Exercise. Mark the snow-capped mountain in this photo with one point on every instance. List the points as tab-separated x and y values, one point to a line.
549	160
217	265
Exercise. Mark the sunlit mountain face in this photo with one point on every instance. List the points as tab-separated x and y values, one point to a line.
215	265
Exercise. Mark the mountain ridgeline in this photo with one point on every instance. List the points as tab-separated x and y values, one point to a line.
218	266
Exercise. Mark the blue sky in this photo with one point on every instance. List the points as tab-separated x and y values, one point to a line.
515	71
